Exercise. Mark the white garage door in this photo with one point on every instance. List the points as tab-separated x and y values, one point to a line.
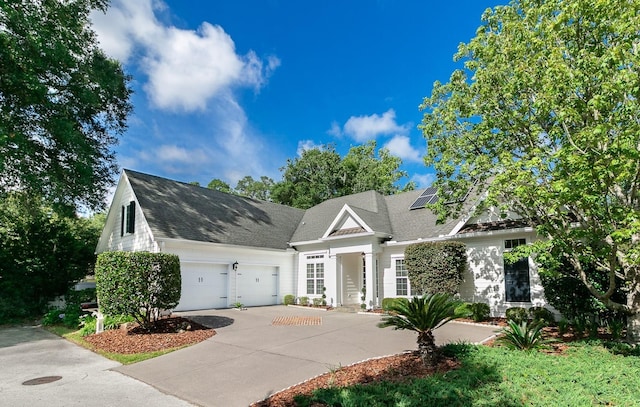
204	286
258	285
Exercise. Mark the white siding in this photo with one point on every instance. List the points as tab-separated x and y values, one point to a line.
111	238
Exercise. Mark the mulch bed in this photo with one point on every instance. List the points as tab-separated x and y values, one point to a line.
167	333
396	368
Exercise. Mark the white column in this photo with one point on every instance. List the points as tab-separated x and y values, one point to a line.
371	280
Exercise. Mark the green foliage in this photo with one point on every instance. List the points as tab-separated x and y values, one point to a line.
43	252
68	316
320	174
480	311
495	376
616	326
255	189
423	315
62	102
289	299
517	314
522	336
544	117
137	284
564	291
542	315
88	323
304	300
219	185
317	302
387	303
563	326
436	267
622	348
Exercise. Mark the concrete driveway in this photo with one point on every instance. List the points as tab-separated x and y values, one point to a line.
262	350
85	378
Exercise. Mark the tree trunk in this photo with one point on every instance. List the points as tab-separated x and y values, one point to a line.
633	320
427	348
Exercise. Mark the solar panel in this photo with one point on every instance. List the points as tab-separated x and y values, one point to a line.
428	196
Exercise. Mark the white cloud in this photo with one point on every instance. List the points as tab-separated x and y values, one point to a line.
185	68
335	130
423	180
304	145
363	128
400	146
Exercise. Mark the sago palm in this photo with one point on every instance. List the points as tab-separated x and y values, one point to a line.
423	315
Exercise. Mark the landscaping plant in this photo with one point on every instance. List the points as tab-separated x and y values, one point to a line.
436	267
523	336
138	284
423	315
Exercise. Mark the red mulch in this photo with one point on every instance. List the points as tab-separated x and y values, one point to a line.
167	333
396	368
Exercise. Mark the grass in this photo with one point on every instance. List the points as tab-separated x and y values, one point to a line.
76	337
588	374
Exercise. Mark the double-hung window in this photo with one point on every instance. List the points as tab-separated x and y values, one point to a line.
516	275
315	274
402	278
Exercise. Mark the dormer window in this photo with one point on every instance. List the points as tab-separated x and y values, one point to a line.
128	218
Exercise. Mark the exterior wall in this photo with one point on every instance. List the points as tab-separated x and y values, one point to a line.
111	240
210	253
484	279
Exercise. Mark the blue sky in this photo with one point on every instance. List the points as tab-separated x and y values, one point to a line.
225	89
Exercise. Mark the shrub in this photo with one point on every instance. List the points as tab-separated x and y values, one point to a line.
436	267
89	322
522	336
289	299
387	303
480	311
542	315
68	316
138	284
517	314
464	310
563	326
317	302
304	300
616	326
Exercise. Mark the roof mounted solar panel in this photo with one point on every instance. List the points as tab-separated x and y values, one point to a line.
428	196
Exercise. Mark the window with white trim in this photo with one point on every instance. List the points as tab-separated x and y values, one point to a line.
516	275
402	278
128	218
315	274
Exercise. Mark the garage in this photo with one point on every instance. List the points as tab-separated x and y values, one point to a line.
257	285
204	286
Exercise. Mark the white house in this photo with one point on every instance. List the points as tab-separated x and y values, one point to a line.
235	249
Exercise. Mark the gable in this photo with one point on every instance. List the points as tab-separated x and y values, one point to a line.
346	223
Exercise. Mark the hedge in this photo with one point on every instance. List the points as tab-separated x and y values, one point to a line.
137	284
436	267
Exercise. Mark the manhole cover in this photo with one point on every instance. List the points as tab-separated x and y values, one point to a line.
41	380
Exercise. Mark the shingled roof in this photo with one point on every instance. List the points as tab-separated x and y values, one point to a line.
178	210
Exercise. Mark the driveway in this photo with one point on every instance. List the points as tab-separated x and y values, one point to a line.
262	350
85	378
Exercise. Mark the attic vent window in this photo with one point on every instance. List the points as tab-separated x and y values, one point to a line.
128	218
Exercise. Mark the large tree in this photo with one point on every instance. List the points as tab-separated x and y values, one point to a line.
62	101
257	189
320	174
42	252
545	115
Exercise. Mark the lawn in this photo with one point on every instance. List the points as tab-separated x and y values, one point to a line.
586	374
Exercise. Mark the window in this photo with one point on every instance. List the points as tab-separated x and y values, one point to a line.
516	275
402	278
128	218
315	274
